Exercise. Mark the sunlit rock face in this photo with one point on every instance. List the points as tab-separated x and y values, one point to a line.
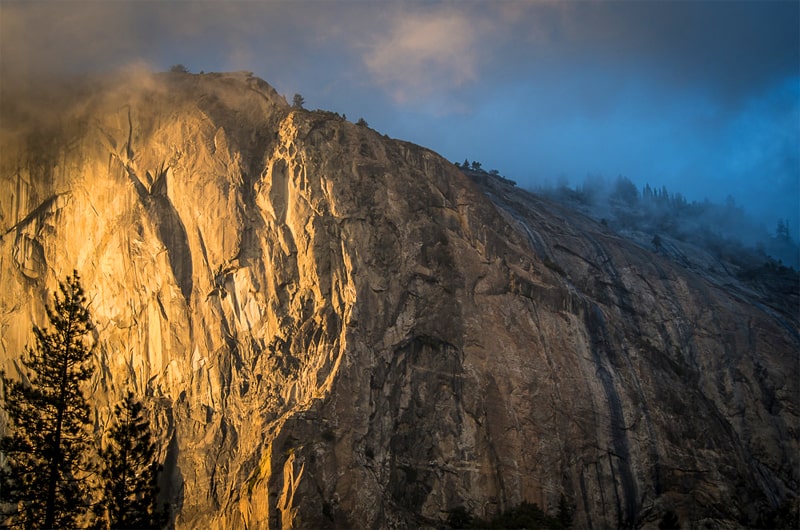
335	329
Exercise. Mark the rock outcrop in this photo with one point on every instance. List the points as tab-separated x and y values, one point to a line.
336	329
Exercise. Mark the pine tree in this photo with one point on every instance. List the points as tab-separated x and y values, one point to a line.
130	471
44	479
782	232
657	243
564	514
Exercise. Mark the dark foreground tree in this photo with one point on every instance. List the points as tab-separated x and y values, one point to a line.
130	471
44	480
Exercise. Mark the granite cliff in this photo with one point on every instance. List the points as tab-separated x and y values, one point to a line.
336	329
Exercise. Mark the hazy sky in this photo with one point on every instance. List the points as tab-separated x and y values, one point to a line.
703	97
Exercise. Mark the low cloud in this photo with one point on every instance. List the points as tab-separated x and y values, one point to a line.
671	91
424	52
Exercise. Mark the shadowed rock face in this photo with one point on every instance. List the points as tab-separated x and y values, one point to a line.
336	329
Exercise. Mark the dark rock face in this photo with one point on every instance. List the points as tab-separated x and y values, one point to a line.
341	330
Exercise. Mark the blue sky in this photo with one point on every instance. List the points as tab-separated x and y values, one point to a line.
703	97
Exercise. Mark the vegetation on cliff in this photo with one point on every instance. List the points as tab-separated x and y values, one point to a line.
44	482
48	470
130	471
725	229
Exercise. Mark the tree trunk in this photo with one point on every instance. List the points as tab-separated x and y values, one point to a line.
52	483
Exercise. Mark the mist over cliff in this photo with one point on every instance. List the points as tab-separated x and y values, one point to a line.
334	329
659	211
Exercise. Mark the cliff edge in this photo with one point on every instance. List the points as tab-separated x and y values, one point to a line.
334	329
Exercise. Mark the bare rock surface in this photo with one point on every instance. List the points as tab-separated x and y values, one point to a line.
336	329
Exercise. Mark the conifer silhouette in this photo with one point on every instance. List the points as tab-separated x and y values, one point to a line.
130	471
44	482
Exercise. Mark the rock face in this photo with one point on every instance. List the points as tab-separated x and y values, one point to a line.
335	329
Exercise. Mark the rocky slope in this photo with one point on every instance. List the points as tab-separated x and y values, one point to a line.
335	329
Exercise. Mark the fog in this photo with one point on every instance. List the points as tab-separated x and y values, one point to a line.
652	214
701	97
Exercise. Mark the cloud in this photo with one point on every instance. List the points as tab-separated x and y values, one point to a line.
414	52
679	93
426	51
728	49
90	36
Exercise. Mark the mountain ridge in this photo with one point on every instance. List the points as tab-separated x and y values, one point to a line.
336	329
